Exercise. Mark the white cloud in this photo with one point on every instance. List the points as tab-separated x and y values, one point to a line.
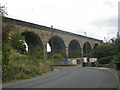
74	16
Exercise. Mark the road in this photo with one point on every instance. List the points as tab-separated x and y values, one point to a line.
69	77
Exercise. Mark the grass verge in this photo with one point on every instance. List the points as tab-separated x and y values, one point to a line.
25	67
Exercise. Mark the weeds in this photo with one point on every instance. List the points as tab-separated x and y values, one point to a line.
21	66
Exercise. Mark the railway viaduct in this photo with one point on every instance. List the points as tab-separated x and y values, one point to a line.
68	44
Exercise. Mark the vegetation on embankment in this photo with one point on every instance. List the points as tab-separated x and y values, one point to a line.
22	66
108	53
17	63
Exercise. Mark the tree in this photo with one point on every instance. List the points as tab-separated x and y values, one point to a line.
17	42
6	29
117	44
3	10
103	51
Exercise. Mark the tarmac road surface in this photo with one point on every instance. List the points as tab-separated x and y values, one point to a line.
69	77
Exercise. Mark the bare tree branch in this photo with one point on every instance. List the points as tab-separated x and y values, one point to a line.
3	10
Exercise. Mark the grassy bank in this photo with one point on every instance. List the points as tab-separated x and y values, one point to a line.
24	66
17	63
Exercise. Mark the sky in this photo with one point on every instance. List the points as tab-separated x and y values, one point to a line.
98	18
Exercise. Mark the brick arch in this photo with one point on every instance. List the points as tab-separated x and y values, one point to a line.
74	49
87	48
95	45
57	45
33	41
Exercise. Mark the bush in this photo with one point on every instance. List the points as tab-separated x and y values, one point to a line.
105	60
20	65
5	61
5	54
17	42
37	52
0	58
112	64
23	67
6	30
103	51
57	56
118	59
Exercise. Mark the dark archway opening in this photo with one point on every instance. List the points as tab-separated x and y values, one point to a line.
86	49
74	49
96	45
57	46
35	45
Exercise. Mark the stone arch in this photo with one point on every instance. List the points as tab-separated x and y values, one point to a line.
74	49
87	48
33	41
96	45
57	46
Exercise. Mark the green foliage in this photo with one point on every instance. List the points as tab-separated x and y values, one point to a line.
6	29
118	48
118	59
20	66
58	56
5	61
103	51
108	53
37	52
6	51
23	67
75	54
112	64
5	54
17	42
0	58
49	55
105	60
110	60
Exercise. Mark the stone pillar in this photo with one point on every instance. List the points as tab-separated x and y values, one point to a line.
67	52
82	44
45	51
82	52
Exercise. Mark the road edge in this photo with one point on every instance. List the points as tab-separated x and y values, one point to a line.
7	84
108	70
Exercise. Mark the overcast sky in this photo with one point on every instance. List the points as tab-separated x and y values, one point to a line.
98	18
